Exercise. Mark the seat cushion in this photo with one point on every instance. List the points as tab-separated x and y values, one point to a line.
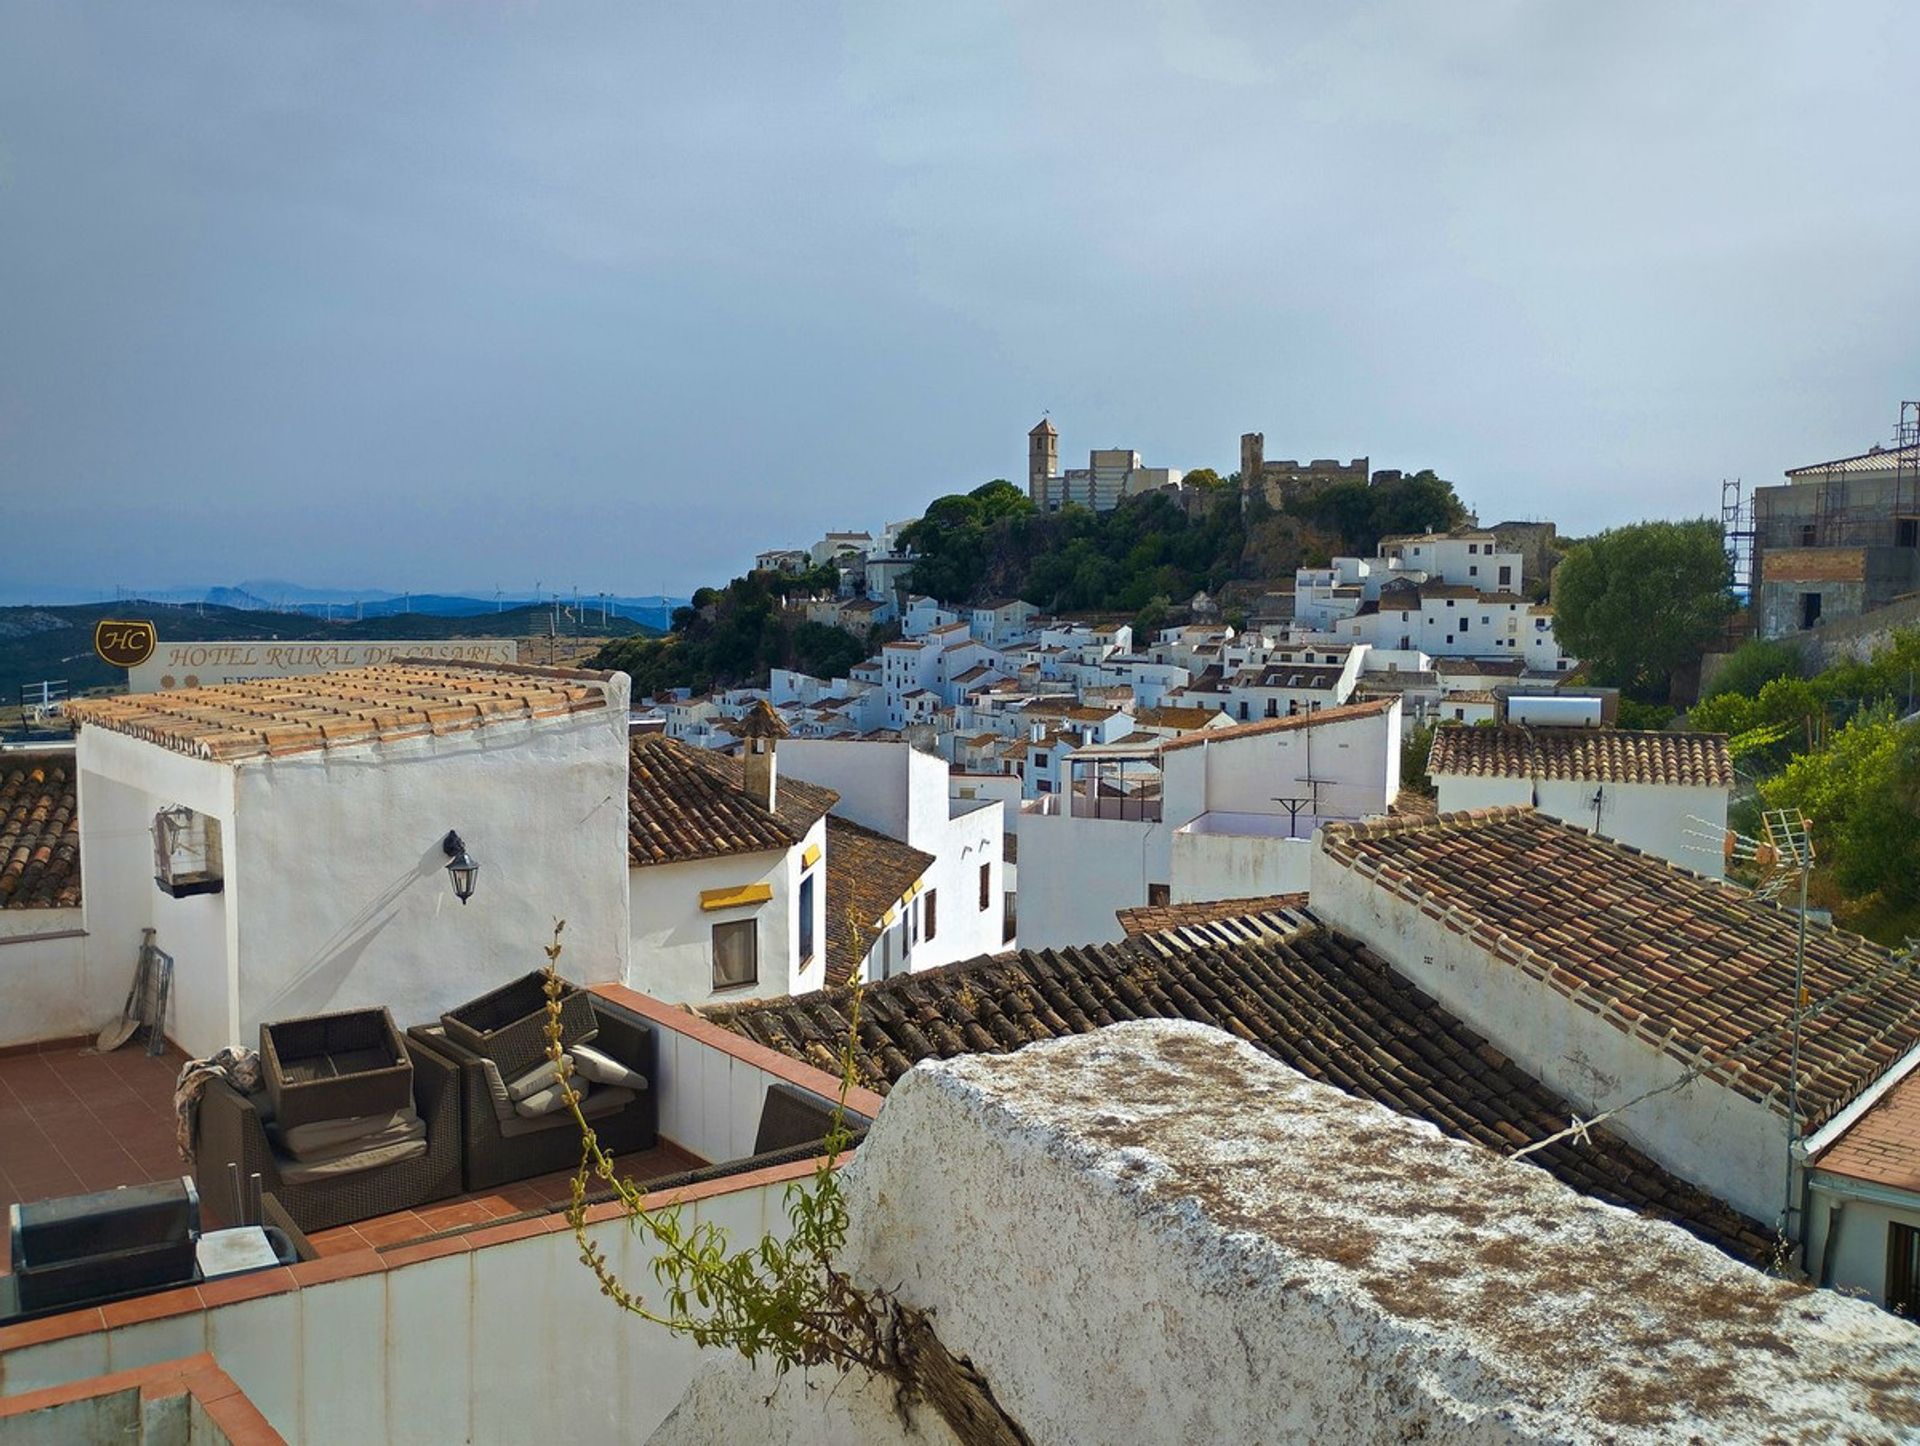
534	1080
604	1069
310	1141
550	1100
600	1104
308	1172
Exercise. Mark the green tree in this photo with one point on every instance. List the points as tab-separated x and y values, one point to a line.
1753	665
1861	794
1637	602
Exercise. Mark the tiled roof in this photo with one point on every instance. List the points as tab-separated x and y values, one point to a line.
691	803
1883	1145
272	717
39	832
1341	714
1173	717
1316	1000
867	873
1884	459
1230	916
1584	755
1691	966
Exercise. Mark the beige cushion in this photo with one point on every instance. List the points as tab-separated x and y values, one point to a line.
601	1103
307	1172
309	1141
536	1079
397	1129
497	1092
605	1069
549	1100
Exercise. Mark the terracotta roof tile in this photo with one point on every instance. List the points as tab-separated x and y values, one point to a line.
39	832
691	803
1157	918
1883	1145
1695	967
1314	999
1279	725
867	874
1584	755
407	698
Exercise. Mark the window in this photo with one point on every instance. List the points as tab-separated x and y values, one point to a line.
1042	786
1159	896
928	923
736	954
1273	707
1903	1270
806	918
186	852
1009	916
1039	760
1506	575
1906	532
1473	571
986	887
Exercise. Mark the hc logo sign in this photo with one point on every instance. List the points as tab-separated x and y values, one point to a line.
124	644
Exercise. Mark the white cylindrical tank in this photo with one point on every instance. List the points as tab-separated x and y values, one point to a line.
1554	711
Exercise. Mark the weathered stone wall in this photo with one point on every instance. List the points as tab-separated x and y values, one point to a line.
1155	1232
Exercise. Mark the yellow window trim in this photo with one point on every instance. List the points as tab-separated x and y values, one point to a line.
735	898
810	857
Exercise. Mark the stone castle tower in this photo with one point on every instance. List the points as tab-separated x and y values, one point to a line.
1043	460
1253	457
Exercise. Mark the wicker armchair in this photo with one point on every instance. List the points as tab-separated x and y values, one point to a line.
228	1128
494	1157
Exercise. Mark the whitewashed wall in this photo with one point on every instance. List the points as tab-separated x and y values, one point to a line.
344	898
46	991
510	1343
1850	1253
1727	1144
1207	865
672	954
1076	872
123	784
1675	823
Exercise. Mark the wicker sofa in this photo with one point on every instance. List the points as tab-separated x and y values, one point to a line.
229	1128
498	1153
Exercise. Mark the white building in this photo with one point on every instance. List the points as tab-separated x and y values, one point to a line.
902	793
1659	997
1665	794
842	548
299	830
1231	815
727	889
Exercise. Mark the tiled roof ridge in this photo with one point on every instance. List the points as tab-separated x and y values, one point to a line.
523	670
1344	712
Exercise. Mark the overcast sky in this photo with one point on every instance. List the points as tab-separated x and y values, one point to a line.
469	295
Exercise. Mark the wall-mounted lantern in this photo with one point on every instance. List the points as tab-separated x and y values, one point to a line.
461	867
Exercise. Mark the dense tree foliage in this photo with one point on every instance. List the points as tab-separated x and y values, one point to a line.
1861	794
955	538
1638	602
1788	714
1754	664
733	636
1357	515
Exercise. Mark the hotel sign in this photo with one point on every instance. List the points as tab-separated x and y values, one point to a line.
122	644
204	664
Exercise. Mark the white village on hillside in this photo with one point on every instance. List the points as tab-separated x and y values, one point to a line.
1314	1017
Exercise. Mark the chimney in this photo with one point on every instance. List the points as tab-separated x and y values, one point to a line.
761	772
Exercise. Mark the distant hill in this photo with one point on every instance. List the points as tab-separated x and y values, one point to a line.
274	595
39	643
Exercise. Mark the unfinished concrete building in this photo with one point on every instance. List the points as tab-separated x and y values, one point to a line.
1839	539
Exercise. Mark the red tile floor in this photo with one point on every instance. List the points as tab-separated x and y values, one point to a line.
73	1120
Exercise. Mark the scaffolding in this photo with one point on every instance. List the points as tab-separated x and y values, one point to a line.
1736	527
